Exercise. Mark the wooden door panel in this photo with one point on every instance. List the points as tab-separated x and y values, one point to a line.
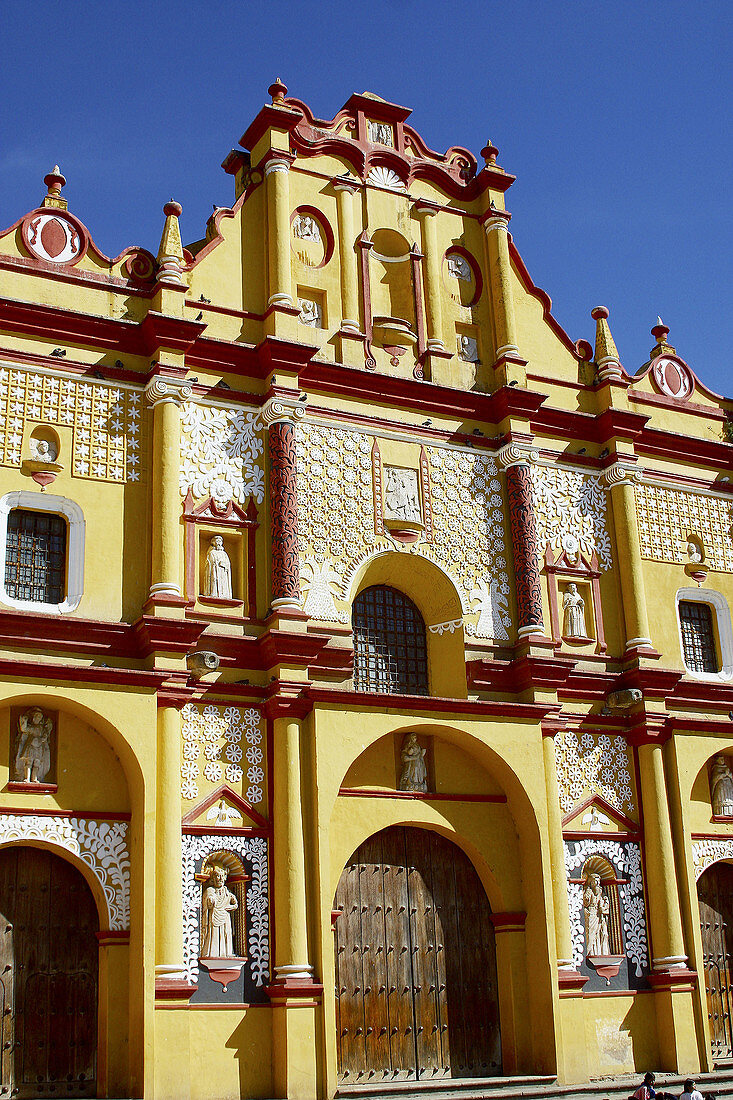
415	963
54	960
715	896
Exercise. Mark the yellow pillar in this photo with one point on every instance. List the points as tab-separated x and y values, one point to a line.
560	905
619	479
166	398
344	189
664	910
500	278
168	888
278	230
433	305
289	880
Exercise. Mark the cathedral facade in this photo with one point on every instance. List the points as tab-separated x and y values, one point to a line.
366	664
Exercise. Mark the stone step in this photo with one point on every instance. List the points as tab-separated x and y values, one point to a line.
719	1084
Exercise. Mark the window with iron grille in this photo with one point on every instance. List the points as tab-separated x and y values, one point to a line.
390	651
698	636
35	556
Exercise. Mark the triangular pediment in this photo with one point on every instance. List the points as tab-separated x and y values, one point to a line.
224	810
595	815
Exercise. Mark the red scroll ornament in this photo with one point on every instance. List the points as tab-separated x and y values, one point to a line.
284	516
526	551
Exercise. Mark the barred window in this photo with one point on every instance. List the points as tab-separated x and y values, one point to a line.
35	556
390	651
698	636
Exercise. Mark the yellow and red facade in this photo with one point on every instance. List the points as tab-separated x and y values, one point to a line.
362	307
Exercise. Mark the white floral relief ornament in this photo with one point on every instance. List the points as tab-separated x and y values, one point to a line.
568	502
625	857
216	733
709	850
253	853
102	845
593	763
221	453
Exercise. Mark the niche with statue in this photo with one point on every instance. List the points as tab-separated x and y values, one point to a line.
223	926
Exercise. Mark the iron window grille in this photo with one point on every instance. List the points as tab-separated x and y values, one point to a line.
35	556
698	636
390	649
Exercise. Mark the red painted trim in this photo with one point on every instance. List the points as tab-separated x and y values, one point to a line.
414	705
173	991
416	261
584	834
112	937
92	674
218	830
237	800
681	979
616	993
371	792
711	836
83	815
655	400
680	447
542	297
508	922
113	283
20	787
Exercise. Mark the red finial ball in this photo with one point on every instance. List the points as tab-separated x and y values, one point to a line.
489	153
172	208
599	313
54	181
278	91
660	332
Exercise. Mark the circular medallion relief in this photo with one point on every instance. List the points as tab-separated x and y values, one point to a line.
311	237
462	276
672	378
54	236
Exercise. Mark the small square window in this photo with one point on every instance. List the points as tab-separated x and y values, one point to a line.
35	557
698	636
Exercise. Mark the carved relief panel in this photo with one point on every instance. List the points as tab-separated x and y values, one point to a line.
33	748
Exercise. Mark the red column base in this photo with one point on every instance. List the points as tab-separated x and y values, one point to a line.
295	989
167	989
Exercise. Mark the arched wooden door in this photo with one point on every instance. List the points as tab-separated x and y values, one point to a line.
416	991
48	976
715	896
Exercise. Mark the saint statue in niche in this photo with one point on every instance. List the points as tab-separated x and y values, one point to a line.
459	267
217	941
414	775
401	494
595	909
218	571
33	758
721	787
573	606
306	228
694	551
43	450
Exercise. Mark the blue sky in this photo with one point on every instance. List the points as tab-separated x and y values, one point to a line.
615	117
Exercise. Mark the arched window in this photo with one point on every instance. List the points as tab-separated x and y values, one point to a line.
390	651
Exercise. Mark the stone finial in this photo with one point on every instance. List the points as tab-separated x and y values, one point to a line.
170	254
489	153
54	182
660	332
606	354
278	91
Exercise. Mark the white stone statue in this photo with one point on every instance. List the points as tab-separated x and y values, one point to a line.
221	814
721	787
459	267
217	941
33	758
694	552
218	571
310	313
492	606
414	776
467	348
43	450
401	495
595	909
381	133
306	228
573	606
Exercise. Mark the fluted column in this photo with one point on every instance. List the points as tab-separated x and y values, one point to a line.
277	183
166	398
619	479
431	267
664	910
280	416
515	460
345	189
291	962
168	888
500	276
560	904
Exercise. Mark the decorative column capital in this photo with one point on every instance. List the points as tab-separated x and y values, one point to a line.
621	473
345	184
496	220
279	163
516	454
283	410
423	208
162	391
